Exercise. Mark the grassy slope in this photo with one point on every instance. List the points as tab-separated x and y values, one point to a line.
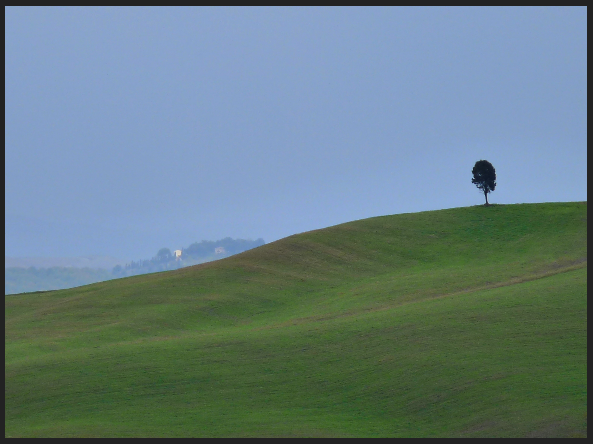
461	322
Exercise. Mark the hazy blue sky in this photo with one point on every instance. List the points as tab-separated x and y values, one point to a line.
132	129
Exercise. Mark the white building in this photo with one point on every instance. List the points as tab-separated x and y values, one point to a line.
177	254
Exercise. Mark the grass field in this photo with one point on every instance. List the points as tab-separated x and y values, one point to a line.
462	322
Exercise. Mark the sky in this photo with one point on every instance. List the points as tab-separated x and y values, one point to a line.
132	129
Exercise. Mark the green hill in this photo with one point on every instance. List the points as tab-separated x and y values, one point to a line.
461	322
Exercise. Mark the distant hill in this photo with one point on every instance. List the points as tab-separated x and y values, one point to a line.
465	322
27	274
106	262
196	253
21	280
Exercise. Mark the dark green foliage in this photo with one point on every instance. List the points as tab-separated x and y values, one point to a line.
164	255
484	177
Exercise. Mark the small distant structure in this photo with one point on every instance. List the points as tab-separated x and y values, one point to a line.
177	254
219	250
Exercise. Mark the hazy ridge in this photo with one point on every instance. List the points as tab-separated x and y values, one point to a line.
106	262
27	274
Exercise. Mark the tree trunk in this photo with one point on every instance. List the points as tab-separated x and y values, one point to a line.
486	196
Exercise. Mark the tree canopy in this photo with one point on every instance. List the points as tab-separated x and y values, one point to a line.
164	254
484	177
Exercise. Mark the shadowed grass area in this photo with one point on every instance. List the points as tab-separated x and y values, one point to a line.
461	322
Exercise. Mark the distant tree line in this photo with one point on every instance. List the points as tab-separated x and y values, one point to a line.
23	280
196	253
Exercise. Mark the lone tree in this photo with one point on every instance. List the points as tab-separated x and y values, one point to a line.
484	177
